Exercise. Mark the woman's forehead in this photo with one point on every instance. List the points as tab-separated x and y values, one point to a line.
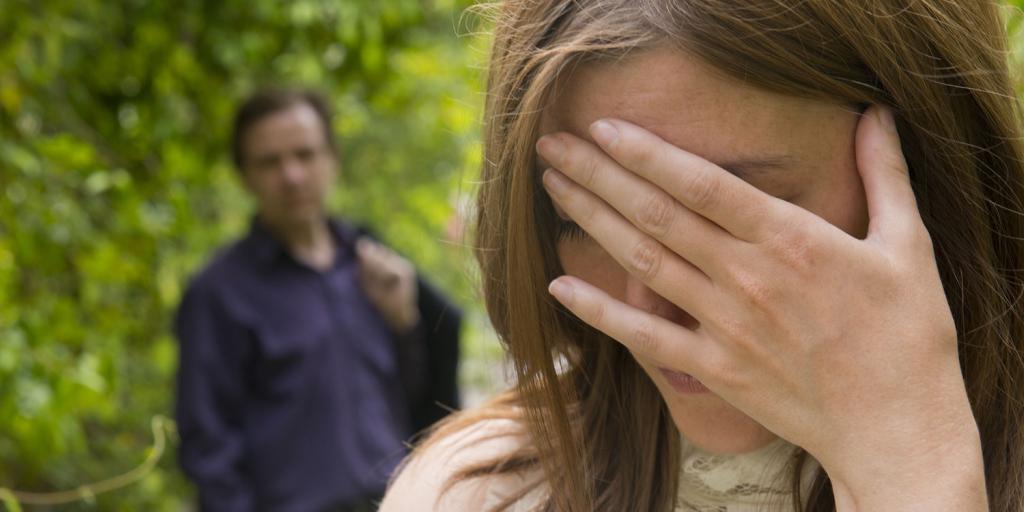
696	107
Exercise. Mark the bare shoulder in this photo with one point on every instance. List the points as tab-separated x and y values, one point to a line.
423	481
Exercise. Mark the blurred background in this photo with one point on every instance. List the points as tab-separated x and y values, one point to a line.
116	185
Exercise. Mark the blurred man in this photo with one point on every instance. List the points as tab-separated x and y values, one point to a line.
309	352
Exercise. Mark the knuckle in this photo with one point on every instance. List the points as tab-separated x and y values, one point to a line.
702	190
642	337
641	155
581	208
797	250
589	167
656	214
721	369
893	271
597	315
731	330
645	259
754	289
889	278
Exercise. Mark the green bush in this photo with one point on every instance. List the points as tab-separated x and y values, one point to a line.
115	186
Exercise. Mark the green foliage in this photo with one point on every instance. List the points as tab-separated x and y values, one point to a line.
115	186
1015	31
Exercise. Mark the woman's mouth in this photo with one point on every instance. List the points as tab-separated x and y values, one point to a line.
683	383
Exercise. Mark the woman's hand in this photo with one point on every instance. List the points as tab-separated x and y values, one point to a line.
843	346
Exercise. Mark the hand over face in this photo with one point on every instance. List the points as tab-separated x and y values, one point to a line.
389	280
844	346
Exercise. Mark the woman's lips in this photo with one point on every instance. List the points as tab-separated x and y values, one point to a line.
683	383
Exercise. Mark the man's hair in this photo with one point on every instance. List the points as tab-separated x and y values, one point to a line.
265	102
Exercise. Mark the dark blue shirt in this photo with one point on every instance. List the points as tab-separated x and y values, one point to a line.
291	389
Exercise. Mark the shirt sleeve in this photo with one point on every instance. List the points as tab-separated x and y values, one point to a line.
211	394
412	363
441	321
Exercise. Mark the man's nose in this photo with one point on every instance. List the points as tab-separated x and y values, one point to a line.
292	171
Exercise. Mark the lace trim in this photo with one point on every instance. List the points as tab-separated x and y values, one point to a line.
758	480
750	482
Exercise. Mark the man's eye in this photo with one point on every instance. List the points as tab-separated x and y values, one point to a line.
305	154
266	164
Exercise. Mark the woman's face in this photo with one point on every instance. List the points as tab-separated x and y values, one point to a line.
795	149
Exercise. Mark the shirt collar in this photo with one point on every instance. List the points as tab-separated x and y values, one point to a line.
267	249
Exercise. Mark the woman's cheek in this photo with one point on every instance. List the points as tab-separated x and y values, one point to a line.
586	260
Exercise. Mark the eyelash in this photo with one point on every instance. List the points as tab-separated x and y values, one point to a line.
569	230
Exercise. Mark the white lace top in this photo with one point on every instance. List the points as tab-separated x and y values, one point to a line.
756	481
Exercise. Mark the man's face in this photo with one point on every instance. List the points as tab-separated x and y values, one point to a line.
288	166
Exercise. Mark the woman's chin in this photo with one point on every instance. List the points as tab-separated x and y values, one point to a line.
719	427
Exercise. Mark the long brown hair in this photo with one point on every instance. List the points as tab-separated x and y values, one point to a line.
600	431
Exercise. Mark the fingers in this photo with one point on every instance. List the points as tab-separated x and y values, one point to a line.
646	334
647	207
892	207
379	265
662	270
701	186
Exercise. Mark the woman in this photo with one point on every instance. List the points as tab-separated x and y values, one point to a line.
784	245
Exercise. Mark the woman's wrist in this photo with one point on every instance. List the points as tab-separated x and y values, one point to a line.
939	470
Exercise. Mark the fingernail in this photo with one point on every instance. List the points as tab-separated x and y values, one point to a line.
550	147
561	290
604	132
555	182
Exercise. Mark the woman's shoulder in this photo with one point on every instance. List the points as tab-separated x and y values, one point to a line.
443	473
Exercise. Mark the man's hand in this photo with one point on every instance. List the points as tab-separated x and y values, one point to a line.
389	280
